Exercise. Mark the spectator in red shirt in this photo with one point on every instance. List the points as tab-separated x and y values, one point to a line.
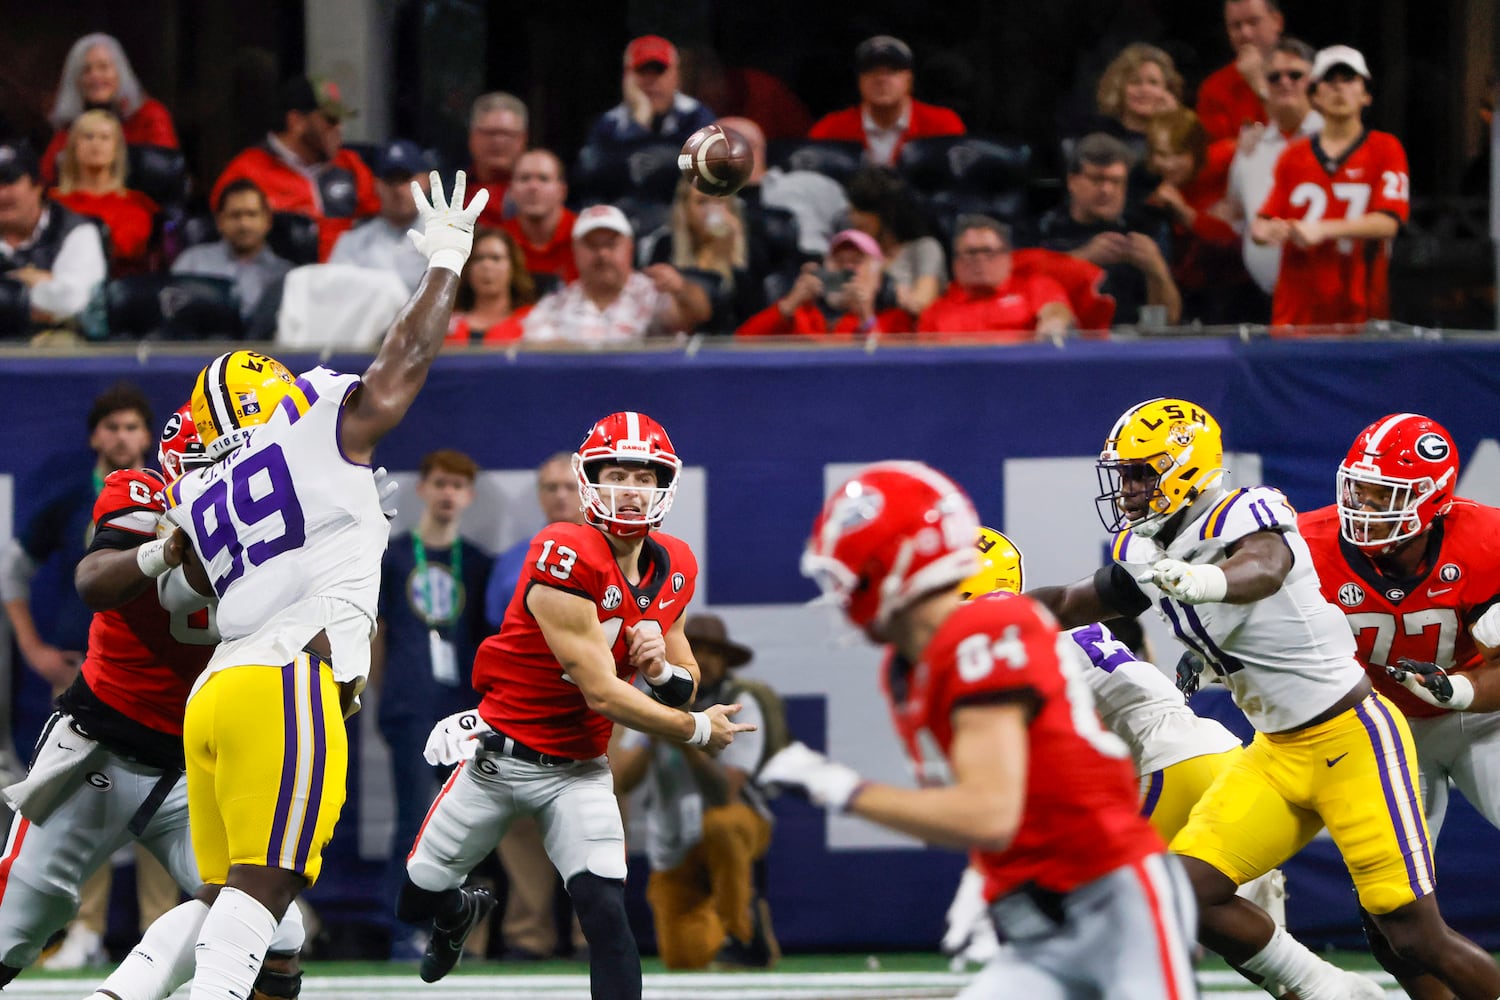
542	226
97	74
886	115
303	168
495	292
840	297
1205	250
1338	199
92	183
498	132
987	297
1234	95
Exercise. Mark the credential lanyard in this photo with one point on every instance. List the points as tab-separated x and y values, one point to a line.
440	651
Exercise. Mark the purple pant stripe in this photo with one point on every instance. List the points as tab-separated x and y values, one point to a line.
319	763
288	761
1378	745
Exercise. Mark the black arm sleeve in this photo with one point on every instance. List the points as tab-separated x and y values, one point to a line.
1118	590
675	691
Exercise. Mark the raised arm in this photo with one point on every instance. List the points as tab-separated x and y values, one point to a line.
394	378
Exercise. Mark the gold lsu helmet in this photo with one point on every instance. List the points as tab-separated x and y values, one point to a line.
236	393
999	567
1171	450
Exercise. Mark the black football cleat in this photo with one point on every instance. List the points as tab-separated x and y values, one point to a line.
447	943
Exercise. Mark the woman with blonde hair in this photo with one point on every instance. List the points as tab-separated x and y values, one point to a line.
495	292
97	75
91	181
707	233
1140	82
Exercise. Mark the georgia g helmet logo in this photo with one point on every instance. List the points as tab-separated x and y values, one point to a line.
174	424
854	508
1432	447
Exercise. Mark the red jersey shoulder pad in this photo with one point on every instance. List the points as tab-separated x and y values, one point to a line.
130	501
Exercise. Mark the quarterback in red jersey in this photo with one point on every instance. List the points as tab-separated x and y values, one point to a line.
1337	200
598	603
993	707
1413	568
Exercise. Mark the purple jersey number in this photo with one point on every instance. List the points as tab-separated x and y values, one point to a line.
1104	650
239	491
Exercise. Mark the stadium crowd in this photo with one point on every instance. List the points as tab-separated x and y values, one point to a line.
886	216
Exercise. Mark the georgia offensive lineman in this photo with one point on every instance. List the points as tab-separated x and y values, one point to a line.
1415	570
996	716
596	603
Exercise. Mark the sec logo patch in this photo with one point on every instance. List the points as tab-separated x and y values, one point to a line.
1351	595
612	598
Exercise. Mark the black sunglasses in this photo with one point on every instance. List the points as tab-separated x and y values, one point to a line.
1292	75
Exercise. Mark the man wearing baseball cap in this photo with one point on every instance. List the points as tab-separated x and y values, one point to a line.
302	166
653	107
611	302
381	243
843	296
1337	200
886	115
707	822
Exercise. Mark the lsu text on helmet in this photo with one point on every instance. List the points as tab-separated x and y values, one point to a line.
1000	567
180	450
1160	456
626	438
895	533
236	393
1396	480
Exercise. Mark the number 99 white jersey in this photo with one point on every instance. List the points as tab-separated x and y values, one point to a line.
291	534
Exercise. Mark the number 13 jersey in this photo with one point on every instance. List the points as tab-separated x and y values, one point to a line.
291	534
527	695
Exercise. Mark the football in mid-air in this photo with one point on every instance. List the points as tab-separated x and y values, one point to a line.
717	160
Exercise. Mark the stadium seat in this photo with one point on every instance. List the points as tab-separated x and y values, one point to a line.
159	172
199	307
196	229
1009	207
777	234
15	309
838	160
132	306
968	164
295	237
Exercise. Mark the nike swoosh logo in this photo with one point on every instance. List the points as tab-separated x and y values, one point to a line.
666	604
1330	761
1438	593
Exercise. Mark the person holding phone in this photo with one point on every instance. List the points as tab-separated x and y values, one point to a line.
842	296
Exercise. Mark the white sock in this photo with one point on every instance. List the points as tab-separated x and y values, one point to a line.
1287	961
163	960
231	947
290	933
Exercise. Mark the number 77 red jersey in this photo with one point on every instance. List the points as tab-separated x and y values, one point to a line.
1343	280
526	694
1081	818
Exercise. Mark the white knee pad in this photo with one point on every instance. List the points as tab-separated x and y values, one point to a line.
290	933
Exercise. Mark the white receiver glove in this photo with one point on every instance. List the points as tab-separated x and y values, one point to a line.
1486	631
447	232
970	937
455	738
802	769
1190	583
387	488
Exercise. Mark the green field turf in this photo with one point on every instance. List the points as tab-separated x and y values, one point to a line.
799	977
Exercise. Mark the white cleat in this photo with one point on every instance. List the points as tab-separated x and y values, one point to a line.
79	949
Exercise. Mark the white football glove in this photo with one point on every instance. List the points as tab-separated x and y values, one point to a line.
1190	583
387	487
970	937
447	233
455	738
803	770
1486	631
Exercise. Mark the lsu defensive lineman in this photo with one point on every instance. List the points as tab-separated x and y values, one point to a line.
1177	753
285	528
1230	573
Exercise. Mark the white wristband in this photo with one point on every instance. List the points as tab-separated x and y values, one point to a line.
151	559
449	258
1215	584
702	730
1463	693
657	680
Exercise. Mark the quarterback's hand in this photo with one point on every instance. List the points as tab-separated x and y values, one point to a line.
387	488
447	228
1433	684
1190	583
646	647
801	769
455	738
722	728
1189	673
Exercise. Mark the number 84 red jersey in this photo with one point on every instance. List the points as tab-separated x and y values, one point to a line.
525	692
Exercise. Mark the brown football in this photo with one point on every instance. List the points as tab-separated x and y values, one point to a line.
717	160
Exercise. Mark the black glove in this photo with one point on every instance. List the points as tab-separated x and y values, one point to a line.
1189	670
1431	676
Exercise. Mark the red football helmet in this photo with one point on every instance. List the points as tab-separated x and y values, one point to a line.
895	532
180	451
626	438
1398	477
